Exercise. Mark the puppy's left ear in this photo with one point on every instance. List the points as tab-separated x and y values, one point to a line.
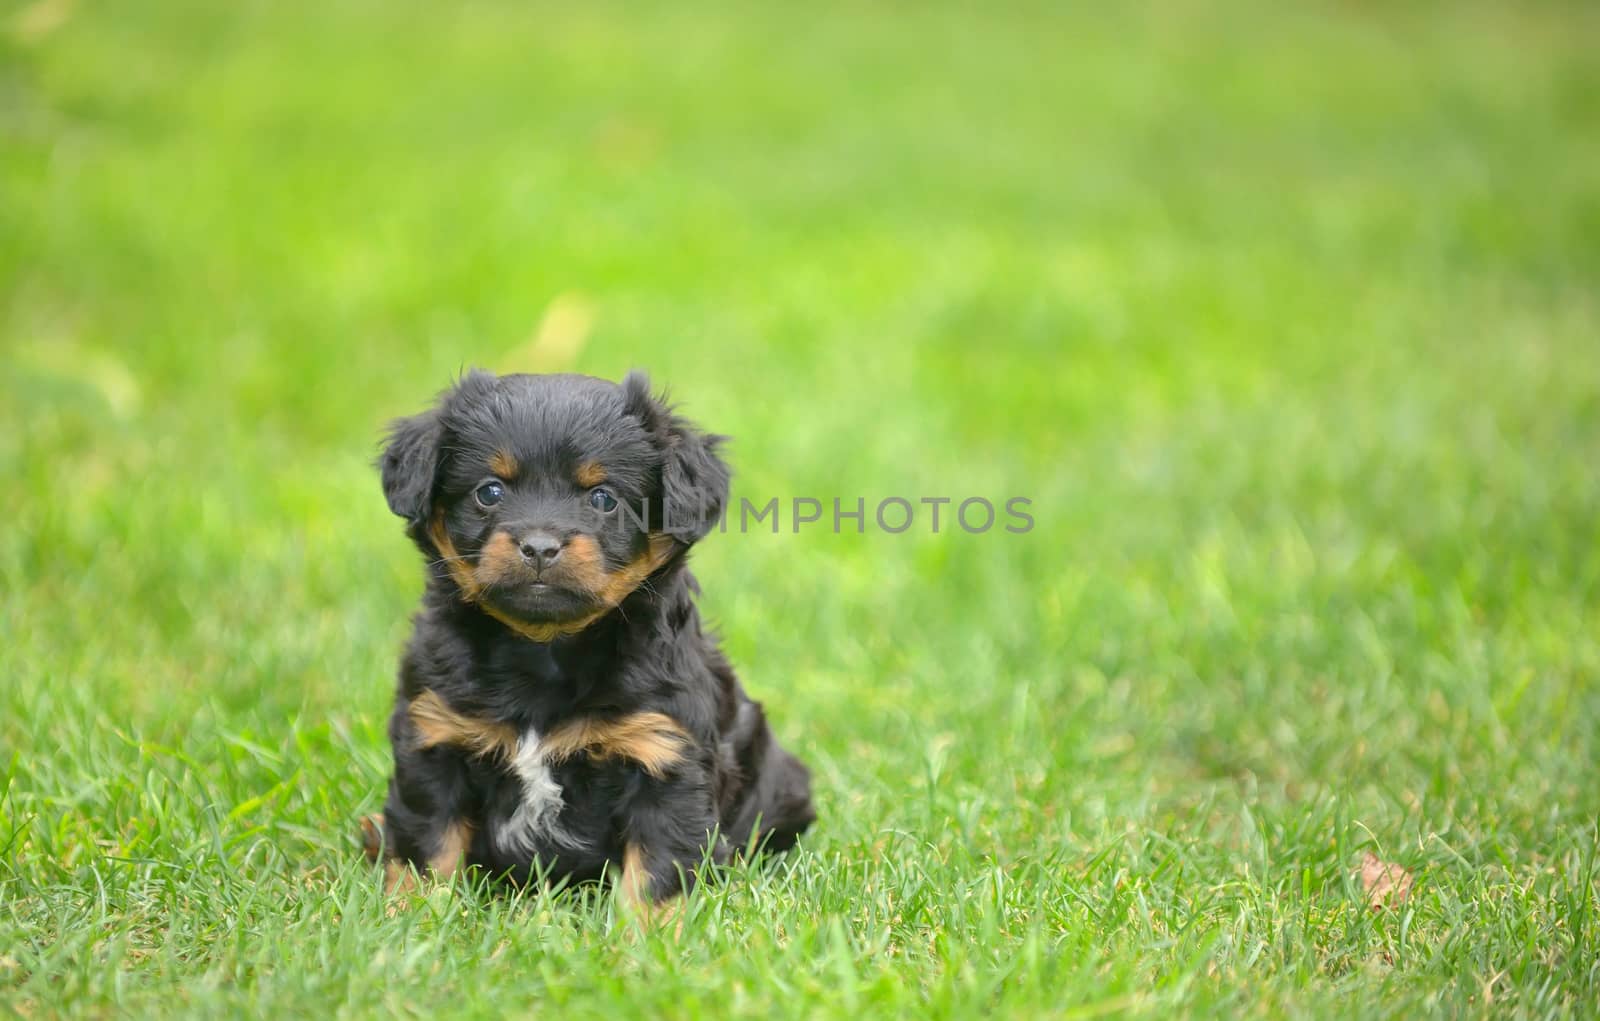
694	480
409	462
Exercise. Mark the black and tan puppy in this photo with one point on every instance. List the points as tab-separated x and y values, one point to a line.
560	711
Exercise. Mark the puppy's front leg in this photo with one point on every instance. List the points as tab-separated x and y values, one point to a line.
428	821
425	829
667	824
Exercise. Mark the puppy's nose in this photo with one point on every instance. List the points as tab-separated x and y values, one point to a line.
541	549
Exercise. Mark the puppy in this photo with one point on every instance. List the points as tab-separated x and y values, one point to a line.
561	714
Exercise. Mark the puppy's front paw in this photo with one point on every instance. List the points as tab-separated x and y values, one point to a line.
372	837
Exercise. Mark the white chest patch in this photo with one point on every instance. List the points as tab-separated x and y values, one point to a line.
537	819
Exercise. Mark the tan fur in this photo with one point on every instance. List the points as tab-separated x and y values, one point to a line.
459	569
653	741
543	632
619	584
633	885
452	851
636	902
372	837
436	724
504	464
583	563
498	558
590	474
399	877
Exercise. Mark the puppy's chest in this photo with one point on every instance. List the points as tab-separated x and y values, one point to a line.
555	782
548	799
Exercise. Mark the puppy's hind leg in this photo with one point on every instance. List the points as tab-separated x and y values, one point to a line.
774	807
781	809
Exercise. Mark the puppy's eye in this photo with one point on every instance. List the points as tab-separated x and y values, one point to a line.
489	494
602	500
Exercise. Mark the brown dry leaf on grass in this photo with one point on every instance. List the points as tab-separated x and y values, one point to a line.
1386	884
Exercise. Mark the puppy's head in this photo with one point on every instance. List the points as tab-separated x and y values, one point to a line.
547	500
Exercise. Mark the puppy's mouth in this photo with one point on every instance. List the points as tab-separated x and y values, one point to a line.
538	599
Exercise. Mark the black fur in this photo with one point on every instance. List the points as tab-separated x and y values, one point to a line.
647	654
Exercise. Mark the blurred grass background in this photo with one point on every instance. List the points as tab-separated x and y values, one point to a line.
1284	316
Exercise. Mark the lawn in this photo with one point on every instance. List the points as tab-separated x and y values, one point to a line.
1284	317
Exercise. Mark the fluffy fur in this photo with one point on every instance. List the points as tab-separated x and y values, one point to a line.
560	711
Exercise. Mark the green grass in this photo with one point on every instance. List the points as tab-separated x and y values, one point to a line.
1284	315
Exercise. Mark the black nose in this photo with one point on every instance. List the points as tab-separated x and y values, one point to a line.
541	549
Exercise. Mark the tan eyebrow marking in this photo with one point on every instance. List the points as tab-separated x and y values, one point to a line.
503	464
590	474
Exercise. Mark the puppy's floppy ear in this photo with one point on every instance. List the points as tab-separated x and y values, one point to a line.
410	458
694	480
409	463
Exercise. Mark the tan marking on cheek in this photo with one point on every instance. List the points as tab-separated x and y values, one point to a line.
438	724
498	558
460	570
504	465
653	741
584	563
590	474
619	584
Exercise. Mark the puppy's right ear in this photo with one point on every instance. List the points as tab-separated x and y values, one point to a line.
410	462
